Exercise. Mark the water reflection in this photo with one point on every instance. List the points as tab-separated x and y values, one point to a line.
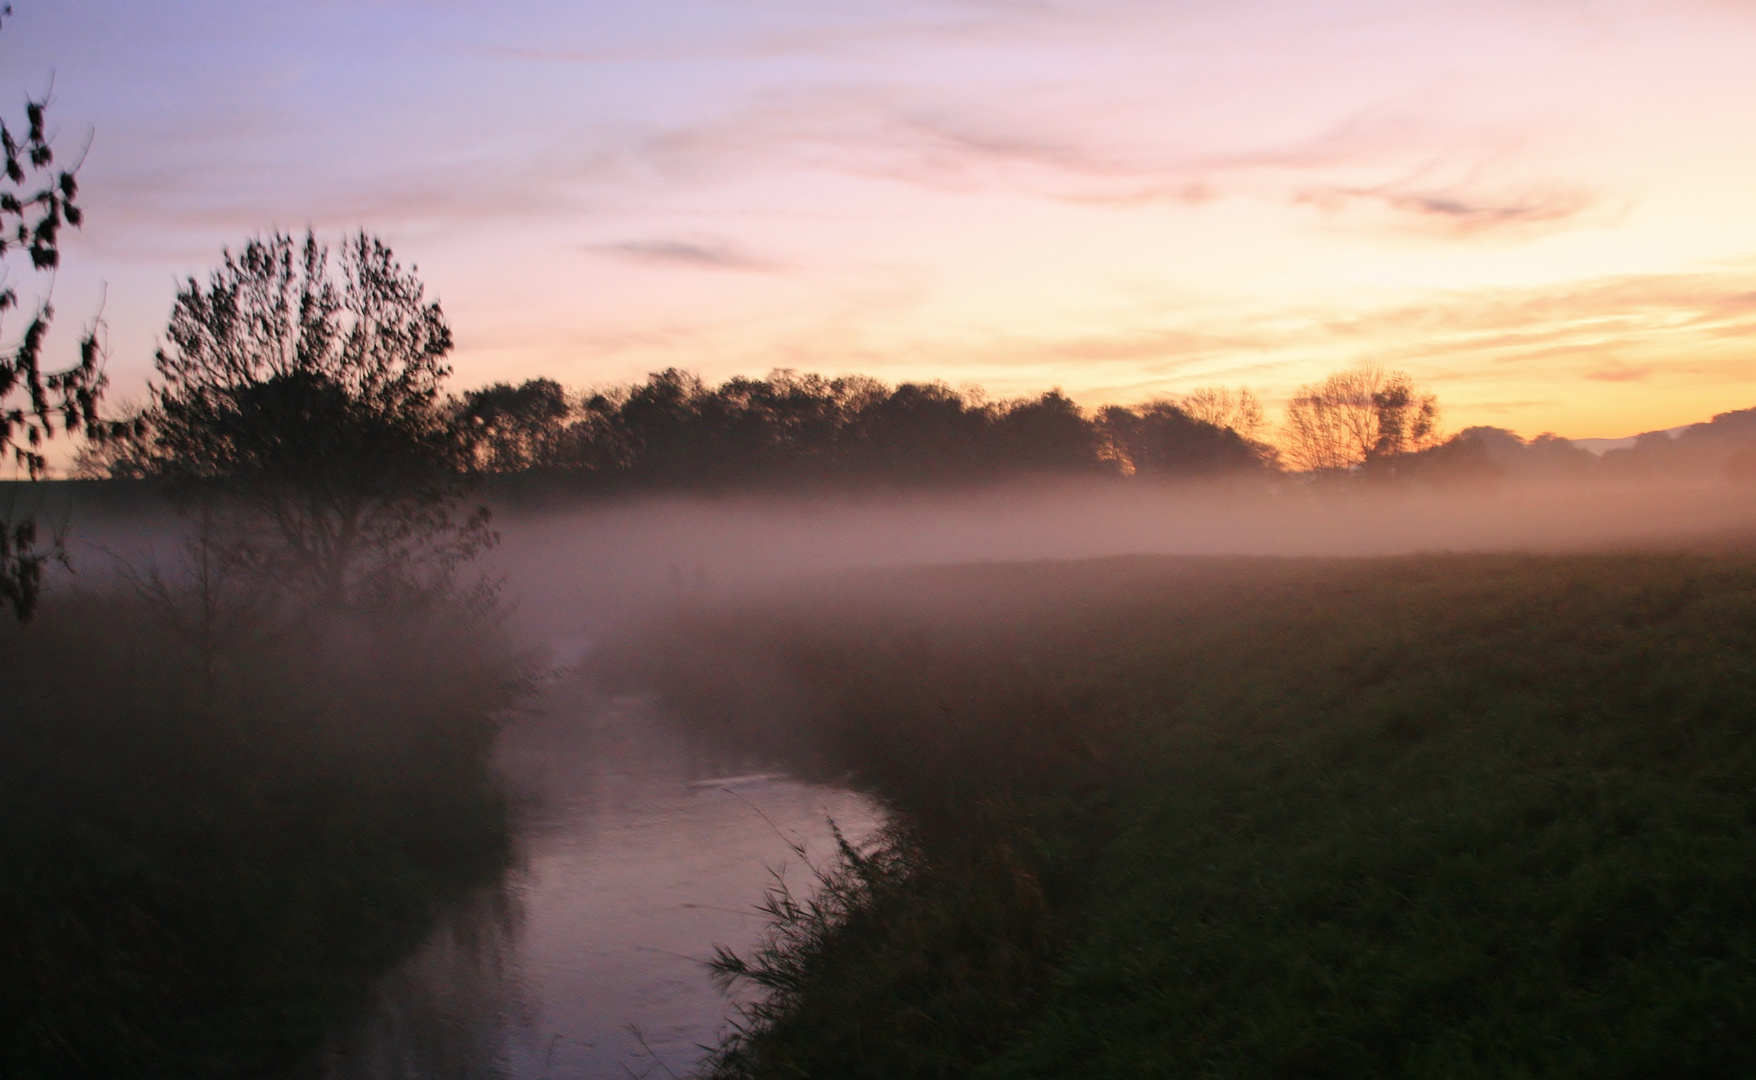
451	1011
641	850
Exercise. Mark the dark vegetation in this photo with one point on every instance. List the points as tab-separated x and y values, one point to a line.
209	847
1426	816
237	785
804	432
673	432
37	199
299	412
1723	447
926	955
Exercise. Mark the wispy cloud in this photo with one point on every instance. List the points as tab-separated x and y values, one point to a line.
1462	209
1622	329
1382	167
1410	172
696	253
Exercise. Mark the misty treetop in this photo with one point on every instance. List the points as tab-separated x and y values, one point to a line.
275	312
300	398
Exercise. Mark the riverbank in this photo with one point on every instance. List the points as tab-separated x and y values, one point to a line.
217	829
1423	816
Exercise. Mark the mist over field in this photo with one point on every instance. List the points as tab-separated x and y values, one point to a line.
571	565
567	564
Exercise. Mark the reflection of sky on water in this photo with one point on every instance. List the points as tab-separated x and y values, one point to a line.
587	961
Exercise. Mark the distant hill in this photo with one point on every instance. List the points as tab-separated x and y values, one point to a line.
1601	446
1738	424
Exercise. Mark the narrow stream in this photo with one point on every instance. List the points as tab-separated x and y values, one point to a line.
640	853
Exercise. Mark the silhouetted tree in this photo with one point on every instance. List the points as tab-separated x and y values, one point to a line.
1046	434
122	457
594	445
514	428
1722	447
922	431
1160	439
36	201
306	393
668	438
792	426
1357	416
1408	421
1227	408
1465	458
675	430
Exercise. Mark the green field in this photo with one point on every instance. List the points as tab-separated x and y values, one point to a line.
1425	816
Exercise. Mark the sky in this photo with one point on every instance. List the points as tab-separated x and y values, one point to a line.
1543	210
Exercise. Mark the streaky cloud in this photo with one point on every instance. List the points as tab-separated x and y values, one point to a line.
704	254
1460	210
1425	176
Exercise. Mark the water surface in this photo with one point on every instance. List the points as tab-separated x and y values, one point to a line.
641	850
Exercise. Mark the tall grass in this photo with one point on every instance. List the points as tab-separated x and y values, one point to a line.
926	955
915	957
1427	816
208	847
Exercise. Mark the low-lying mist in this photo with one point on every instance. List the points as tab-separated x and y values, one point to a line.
570	567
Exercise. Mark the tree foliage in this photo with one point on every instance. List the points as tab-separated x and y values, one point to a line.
1356	417
306	392
37	199
513	428
676	431
1162	439
1224	407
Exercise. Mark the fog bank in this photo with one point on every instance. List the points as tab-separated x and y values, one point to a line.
570	568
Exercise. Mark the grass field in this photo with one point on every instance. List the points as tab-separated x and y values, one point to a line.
1426	816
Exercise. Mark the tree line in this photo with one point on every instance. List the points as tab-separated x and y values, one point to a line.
307	388
673	430
213	403
282	365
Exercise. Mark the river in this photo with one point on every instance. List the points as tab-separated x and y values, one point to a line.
639	851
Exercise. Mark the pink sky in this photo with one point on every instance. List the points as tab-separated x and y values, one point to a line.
1543	210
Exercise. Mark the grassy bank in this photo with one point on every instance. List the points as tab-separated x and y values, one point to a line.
1434	816
207	853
